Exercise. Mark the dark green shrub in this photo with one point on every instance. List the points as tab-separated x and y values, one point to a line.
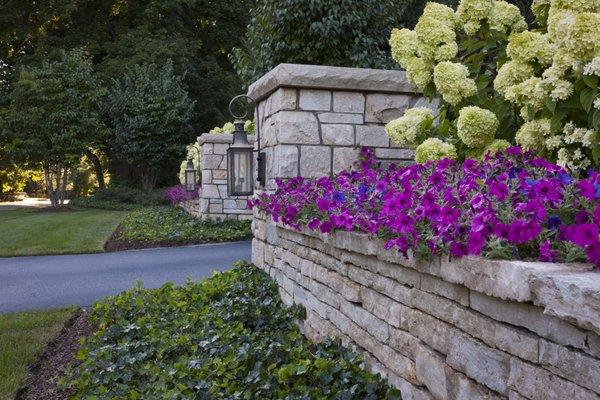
227	337
121	198
173	225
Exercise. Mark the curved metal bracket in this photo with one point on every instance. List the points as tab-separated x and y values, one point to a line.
240	96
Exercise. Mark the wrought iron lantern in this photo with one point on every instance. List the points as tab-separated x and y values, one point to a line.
190	176
240	157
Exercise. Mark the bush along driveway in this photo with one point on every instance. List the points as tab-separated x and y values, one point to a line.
227	337
173	226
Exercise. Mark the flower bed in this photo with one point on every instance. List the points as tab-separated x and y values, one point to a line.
510	206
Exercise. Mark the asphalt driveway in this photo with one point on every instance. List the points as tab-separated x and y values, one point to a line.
30	283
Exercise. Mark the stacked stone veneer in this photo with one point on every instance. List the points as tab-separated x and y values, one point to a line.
215	203
466	329
312	118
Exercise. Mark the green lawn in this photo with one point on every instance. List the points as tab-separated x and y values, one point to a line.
22	337
29	232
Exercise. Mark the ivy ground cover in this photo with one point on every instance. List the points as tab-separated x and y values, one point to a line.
227	337
173	226
511	205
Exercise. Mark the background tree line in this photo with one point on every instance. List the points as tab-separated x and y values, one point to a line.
124	85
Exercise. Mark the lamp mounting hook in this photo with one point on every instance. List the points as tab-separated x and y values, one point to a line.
231	103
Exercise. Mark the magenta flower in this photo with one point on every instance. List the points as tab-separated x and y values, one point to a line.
546	252
582	234
511	198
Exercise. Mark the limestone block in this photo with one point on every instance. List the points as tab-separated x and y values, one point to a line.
216	209
382	108
281	99
222	186
504	337
291	127
479	362
538	384
572	365
221	148
420	101
323	293
211	161
206	177
340	118
272	234
403	342
210	192
448	290
573	296
219	174
383	307
408	390
350	102
258	258
327	77
207	148
315	161
344	158
315	100
286	160
503	279
529	317
371	135
387	286
430	330
338	134
229	204
365	320
405	276
396	154
431	372
204	205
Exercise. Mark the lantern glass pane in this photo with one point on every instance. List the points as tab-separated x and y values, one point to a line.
190	180
240	172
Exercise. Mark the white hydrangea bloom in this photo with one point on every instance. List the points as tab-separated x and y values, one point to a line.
574	161
593	67
562	89
452	82
553	142
472	12
597	103
506	17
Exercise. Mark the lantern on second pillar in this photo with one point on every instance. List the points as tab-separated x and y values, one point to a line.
240	163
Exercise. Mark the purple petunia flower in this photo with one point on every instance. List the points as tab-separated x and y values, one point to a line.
581	234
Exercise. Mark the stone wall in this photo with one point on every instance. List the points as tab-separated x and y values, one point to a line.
191	206
312	118
462	329
215	203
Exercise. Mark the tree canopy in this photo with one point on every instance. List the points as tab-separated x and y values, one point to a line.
54	115
149	112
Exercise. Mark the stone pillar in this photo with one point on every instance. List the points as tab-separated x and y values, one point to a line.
314	118
214	201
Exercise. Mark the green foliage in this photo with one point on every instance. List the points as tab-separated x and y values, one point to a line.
121	198
227	337
174	225
197	35
149	113
346	33
54	111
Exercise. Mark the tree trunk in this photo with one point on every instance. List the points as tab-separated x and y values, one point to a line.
148	179
55	177
95	160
